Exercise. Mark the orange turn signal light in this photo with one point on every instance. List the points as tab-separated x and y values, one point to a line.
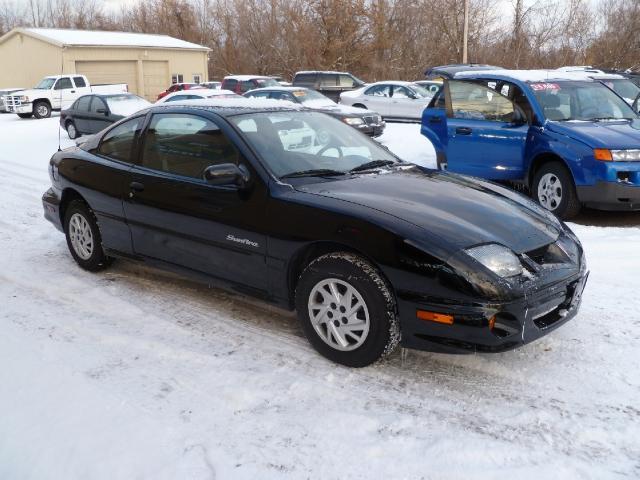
435	317
492	322
602	154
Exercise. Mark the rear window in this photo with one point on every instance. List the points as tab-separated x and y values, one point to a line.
305	79
83	103
79	81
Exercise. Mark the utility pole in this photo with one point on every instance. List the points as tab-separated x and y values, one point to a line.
465	33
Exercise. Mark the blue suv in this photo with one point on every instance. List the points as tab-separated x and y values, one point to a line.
571	141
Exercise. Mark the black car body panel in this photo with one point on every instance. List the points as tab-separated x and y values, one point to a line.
409	222
330	84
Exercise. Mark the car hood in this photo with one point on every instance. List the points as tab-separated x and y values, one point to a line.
614	134
458	210
29	92
345	110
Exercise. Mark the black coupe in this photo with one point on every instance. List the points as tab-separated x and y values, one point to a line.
297	208
91	113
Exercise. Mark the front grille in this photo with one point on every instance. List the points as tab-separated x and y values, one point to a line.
12	101
372	119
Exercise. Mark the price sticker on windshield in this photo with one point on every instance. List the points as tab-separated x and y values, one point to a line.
545	86
299	93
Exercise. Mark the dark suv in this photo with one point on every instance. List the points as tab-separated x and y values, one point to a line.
241	84
330	84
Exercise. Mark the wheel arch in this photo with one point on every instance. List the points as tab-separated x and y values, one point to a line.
68	195
308	253
540	160
45	100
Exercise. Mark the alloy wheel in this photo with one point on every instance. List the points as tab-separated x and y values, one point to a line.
339	314
550	191
81	236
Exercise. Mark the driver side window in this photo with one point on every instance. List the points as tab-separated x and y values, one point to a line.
471	101
185	145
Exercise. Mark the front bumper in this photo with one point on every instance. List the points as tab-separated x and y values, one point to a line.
51	205
373	130
516	323
616	195
23	108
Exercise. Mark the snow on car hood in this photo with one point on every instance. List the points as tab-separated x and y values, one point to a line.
604	134
344	109
458	210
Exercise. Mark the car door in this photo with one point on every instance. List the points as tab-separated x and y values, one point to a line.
104	181
378	98
98	115
79	113
486	132
64	93
404	103
179	218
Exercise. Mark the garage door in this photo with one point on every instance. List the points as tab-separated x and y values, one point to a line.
110	72
156	78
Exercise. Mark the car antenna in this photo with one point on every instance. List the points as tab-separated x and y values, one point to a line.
61	73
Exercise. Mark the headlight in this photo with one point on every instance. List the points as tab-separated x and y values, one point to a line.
24	98
631	155
500	260
353	121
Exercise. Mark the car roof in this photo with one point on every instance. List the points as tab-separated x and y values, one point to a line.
109	95
244	77
281	88
461	67
233	106
526	75
330	72
201	91
390	82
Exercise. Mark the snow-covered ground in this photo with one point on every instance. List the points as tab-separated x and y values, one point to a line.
134	373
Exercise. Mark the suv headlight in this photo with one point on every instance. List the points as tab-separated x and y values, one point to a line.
500	260
353	121
23	98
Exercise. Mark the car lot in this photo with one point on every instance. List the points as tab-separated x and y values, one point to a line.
149	375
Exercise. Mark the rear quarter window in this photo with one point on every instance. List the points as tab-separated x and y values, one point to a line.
79	81
305	79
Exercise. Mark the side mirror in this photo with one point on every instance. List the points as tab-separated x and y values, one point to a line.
226	174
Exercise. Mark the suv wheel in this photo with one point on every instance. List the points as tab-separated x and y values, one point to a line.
41	110
553	188
347	310
83	237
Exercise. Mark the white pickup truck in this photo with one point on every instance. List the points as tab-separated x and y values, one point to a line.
56	92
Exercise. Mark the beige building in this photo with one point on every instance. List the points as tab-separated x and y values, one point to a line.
147	63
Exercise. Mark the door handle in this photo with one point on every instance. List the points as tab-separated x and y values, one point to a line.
136	187
73	91
463	131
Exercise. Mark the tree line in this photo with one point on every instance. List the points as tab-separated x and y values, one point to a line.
374	39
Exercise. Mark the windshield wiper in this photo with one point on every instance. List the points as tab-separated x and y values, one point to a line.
317	172
372	164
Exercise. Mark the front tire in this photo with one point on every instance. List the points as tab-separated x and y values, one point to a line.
347	310
553	188
83	237
72	131
41	110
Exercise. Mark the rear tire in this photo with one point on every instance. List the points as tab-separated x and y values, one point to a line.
72	131
347	310
25	115
83	237
553	188
41	110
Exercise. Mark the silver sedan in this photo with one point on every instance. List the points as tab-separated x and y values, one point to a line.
392	99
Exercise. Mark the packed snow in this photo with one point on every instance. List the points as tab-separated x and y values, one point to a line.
136	373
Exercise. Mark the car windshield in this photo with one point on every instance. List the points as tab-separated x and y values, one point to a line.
294	142
311	98
623	87
125	105
420	90
46	83
267	82
576	100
